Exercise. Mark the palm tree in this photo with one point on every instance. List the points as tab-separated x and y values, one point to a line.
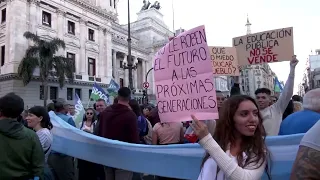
42	55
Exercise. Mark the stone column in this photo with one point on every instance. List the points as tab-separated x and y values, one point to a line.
144	71
114	65
108	53
135	77
102	59
33	15
60	28
126	71
83	59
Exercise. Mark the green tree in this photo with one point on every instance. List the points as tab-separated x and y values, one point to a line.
42	55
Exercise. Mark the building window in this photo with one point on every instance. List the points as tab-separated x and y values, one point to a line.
91	67
71	27
90	91
69	94
121	64
114	3
110	3
3	15
78	91
53	92
46	18
3	55
41	93
121	82
72	57
91	34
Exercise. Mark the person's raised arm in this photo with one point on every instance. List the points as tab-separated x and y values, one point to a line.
287	92
230	168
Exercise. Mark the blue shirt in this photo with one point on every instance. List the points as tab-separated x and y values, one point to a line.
67	119
299	122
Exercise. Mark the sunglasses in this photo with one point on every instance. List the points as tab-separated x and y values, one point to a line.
90	113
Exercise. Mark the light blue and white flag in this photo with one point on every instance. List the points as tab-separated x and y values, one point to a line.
177	161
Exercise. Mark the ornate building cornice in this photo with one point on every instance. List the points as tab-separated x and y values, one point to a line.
95	9
122	40
13	76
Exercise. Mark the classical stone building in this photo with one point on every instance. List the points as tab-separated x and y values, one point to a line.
94	39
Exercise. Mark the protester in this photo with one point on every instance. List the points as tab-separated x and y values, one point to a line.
38	119
235	89
167	133
100	106
307	163
239	135
88	170
71	110
141	120
272	115
302	121
55	160
154	117
89	122
220	99
21	156
50	107
297	98
118	122
147	111
297	106
289	110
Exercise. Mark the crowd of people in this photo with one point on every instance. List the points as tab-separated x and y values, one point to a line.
235	143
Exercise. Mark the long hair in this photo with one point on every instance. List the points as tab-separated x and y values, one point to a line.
154	116
289	110
40	111
253	146
94	118
135	107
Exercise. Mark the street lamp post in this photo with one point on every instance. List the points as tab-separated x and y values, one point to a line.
146	89
130	63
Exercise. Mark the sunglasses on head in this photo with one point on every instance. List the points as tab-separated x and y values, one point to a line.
89	113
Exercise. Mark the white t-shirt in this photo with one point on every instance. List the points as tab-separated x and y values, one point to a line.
46	139
311	138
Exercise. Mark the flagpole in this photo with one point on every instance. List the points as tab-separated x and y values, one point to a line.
173	17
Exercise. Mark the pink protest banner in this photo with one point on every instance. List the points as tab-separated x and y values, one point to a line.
183	78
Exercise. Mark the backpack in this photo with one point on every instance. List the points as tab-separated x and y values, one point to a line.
142	126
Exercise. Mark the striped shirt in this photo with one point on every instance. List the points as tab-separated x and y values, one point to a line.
46	139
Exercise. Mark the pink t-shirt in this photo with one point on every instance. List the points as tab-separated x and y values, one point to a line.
168	133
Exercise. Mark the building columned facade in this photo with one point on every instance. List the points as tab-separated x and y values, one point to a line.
311	75
94	40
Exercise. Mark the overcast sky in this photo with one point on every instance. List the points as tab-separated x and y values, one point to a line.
226	19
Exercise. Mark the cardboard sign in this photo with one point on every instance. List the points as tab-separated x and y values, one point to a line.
183	78
224	61
265	47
